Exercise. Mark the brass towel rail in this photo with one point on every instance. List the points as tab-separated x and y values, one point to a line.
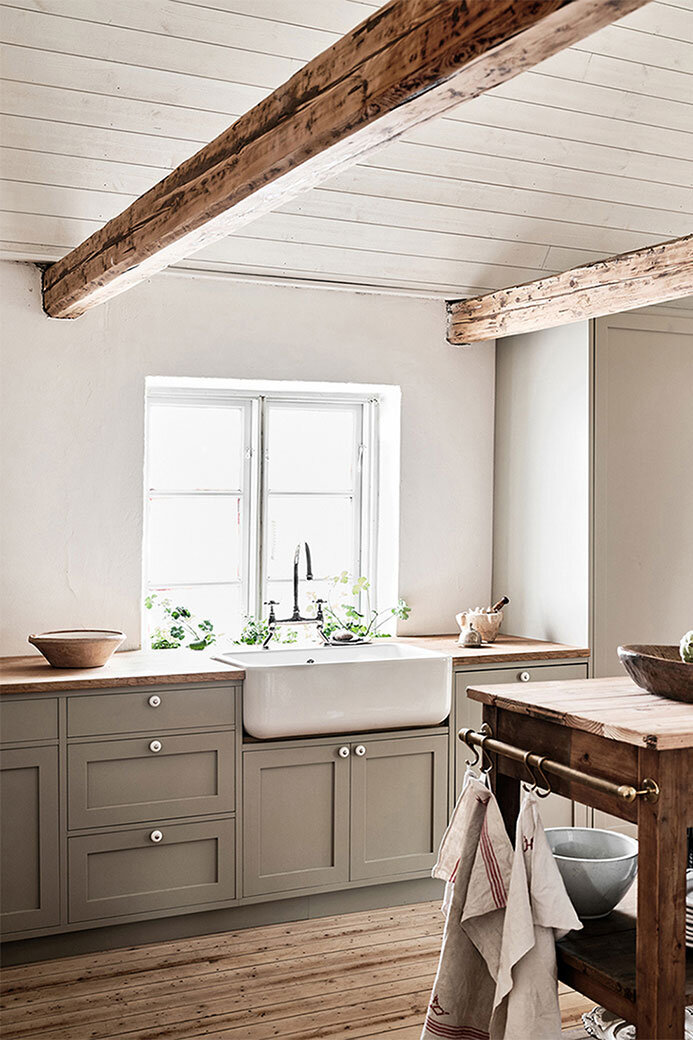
626	792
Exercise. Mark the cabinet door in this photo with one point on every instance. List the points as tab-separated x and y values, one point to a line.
139	870
29	873
556	811
398	805
295	818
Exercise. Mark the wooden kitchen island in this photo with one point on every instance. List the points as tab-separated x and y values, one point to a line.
611	729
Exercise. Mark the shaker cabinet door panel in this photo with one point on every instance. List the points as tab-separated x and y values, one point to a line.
122	873
399	804
132	781
29	872
295	819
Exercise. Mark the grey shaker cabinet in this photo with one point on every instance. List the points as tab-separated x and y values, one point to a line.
343	811
399	805
150	709
160	777
295	818
143	869
29	873
555	810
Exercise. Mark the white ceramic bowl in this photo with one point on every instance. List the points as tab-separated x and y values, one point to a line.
597	866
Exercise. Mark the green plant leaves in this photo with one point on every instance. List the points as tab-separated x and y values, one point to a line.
178	624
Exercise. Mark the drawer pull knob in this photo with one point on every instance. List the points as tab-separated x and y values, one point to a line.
154	701
524	676
343	751
155	745
156	836
360	750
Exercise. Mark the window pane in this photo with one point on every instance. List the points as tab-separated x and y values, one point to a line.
195	447
220	604
324	521
194	539
312	448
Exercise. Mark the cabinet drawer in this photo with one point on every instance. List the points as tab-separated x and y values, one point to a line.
149	708
28	720
518	673
125	781
126	872
555	810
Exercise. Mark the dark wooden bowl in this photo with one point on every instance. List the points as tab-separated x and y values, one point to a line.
660	670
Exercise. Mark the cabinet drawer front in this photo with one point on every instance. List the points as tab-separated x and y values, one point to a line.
124	873
125	781
28	720
468	712
107	714
518	673
555	810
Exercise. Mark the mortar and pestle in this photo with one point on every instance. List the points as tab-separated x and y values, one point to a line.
480	625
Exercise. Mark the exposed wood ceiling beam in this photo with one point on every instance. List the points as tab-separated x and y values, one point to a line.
408	62
638	279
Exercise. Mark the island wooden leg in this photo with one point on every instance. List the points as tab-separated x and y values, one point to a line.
661	952
505	788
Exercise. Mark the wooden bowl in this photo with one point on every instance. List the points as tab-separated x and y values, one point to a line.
659	669
77	647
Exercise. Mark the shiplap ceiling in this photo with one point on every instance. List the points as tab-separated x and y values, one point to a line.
588	155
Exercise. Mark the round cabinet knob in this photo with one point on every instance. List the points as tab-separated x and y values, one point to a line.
155	745
154	701
156	836
524	676
343	751
360	750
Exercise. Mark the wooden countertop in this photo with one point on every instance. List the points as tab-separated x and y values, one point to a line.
614	708
504	649
130	668
155	667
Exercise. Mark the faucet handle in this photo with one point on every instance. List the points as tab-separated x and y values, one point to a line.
272	603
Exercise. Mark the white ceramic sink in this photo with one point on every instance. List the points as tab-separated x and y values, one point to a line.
291	693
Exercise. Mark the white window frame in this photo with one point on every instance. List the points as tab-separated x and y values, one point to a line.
376	534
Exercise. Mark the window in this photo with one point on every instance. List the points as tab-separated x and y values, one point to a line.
237	476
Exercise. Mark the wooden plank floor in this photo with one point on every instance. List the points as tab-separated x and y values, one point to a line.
365	975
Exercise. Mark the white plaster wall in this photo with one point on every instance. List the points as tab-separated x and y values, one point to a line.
541	516
71	447
643	500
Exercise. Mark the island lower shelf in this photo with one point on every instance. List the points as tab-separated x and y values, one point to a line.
599	961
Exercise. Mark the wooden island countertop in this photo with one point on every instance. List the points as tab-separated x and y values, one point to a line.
614	708
32	674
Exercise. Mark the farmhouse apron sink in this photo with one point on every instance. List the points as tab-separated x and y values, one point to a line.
292	693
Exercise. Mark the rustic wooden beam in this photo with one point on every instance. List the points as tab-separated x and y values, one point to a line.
408	62
638	279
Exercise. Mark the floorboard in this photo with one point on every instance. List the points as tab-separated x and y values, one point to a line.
364	975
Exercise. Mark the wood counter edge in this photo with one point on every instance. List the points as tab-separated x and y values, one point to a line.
32	674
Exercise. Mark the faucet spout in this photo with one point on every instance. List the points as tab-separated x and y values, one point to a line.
309	576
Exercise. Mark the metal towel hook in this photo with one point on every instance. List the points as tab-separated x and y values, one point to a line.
535	783
533	779
547	791
477	758
488	732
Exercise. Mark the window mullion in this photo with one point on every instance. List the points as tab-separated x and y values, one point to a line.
262	496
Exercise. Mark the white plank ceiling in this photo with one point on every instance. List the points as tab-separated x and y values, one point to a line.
588	155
